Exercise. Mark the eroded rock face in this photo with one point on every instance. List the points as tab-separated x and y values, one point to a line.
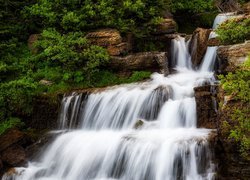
14	155
231	165
104	37
198	45
167	26
205	106
154	61
45	112
232	56
110	39
9	138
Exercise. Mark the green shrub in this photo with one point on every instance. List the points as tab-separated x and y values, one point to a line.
10	123
126	16
16	97
67	57
234	31
193	6
237	85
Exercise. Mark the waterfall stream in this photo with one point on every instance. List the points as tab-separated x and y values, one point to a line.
140	131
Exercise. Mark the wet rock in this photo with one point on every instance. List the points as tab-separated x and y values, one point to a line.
232	56
32	39
38	147
11	173
152	61
213	42
14	155
167	26
198	45
159	96
9	138
45	112
206	112
139	123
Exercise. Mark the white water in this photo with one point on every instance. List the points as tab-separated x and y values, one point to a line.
104	145
210	56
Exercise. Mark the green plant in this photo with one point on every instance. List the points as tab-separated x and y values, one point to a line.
193	6
238	127
234	31
67	57
126	16
10	123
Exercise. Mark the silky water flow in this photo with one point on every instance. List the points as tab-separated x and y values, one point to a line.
140	131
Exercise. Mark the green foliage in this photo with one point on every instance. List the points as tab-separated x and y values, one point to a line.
234	31
67	57
10	123
79	15
193	6
238	85
16	97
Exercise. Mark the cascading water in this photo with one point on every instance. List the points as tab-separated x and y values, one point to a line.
144	131
210	56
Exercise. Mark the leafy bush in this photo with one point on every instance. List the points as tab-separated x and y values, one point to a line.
16	97
193	6
10	123
234	31
237	85
128	15
67	57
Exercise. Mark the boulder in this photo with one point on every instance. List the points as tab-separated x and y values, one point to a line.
139	123
104	37
118	49
167	26
214	42
9	138
14	155
152	61
232	56
198	45
205	106
110	39
32	39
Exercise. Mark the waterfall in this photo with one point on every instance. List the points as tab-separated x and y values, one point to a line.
141	131
210	56
180	54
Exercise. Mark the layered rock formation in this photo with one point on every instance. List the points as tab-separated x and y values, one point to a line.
232	56
167	26
198	45
12	152
141	61
111	40
206	106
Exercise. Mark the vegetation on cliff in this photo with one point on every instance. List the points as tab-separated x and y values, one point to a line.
236	87
233	31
